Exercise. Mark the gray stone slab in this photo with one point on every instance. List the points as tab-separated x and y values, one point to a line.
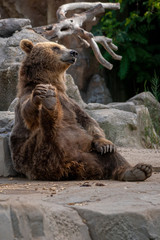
6	167
6	123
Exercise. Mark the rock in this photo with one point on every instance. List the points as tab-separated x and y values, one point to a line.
149	137
35	10
11	57
6	166
11	25
13	105
94	106
120	126
109	224
97	91
6	124
148	100
125	106
73	91
6	121
40	220
127	129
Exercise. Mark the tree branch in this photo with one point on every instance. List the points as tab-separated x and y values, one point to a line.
61	12
73	26
108	45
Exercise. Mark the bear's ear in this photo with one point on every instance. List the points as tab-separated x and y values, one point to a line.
26	45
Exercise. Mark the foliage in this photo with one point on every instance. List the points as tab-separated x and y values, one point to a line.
135	29
155	86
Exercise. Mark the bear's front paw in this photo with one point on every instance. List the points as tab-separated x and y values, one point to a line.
103	146
44	94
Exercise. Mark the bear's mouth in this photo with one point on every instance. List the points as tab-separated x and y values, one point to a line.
69	60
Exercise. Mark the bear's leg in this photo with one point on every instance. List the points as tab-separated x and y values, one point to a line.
119	169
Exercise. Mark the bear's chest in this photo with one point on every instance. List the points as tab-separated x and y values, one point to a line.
71	133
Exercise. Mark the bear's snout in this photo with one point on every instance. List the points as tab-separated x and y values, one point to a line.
74	53
69	56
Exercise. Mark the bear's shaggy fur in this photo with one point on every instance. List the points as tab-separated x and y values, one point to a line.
53	138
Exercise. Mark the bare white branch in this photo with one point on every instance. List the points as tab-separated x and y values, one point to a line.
99	56
90	39
113	46
83	42
73	26
61	12
104	42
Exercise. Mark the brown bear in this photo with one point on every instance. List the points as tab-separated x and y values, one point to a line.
53	138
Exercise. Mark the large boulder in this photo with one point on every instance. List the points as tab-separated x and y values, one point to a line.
126	128
40	220
124	106
73	91
119	126
147	99
35	10
97	91
11	57
6	124
10	25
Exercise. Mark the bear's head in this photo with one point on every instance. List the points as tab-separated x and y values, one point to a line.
45	62
48	55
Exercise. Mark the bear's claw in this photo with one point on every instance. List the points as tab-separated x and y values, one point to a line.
104	146
107	148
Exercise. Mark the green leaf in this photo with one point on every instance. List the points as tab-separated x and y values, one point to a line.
131	54
124	67
137	37
142	54
155	86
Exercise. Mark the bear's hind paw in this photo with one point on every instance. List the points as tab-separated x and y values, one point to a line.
138	173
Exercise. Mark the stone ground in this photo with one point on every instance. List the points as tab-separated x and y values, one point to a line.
83	210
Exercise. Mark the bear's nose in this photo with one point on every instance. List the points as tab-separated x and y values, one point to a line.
73	53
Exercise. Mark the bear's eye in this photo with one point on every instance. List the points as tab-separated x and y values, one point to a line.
56	48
